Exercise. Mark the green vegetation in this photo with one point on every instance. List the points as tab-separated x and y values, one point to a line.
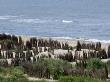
95	63
47	67
55	68
79	79
108	67
13	79
13	74
93	67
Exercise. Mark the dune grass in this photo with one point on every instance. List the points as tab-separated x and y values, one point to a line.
79	79
14	74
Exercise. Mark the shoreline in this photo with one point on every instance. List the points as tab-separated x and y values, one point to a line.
65	38
71	41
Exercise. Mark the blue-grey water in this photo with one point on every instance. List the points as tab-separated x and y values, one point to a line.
56	18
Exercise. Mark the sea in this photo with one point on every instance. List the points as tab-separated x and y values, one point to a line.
68	19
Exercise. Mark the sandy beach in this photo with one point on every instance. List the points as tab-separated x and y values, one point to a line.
71	42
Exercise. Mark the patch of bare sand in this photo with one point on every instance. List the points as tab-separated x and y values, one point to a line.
40	79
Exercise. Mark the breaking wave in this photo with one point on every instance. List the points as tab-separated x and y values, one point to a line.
7	17
96	40
84	39
66	21
29	21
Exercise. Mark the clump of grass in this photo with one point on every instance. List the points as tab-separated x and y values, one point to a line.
14	74
11	72
14	79
95	63
79	79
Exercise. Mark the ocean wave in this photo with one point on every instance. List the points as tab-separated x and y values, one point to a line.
66	21
6	17
30	21
37	20
69	38
96	40
84	39
94	24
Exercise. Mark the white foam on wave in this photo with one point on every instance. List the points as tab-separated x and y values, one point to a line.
96	40
30	20
6	17
66	21
69	38
94	24
84	39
